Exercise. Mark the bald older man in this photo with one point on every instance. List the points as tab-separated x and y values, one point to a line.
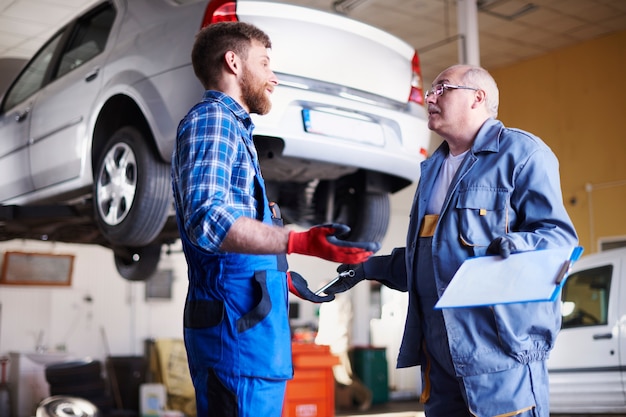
487	189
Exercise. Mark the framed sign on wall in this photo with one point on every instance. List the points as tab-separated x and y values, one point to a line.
28	268
159	285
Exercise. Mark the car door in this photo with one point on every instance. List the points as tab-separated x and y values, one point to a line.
61	117
584	366
15	121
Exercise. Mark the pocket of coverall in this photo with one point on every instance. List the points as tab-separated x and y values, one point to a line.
500	394
202	320
203	313
264	335
260	302
483	216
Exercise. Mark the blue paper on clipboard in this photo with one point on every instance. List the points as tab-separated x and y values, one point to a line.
522	277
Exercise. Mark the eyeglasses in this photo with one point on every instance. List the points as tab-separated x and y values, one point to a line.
440	88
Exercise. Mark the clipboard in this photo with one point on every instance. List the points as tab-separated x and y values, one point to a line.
522	277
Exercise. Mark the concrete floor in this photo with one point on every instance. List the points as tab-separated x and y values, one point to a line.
396	408
413	408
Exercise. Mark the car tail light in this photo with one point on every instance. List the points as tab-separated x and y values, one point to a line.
417	89
220	11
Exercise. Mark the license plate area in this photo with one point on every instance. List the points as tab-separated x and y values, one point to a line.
343	125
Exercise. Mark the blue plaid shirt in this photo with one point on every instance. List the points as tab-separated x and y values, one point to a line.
213	169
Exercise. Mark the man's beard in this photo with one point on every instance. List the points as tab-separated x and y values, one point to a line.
253	93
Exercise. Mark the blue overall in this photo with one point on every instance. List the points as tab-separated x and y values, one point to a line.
236	328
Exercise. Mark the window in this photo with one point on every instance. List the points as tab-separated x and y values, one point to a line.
88	39
585	297
612	243
32	78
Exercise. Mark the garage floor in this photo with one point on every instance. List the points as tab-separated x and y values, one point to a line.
397	408
412	408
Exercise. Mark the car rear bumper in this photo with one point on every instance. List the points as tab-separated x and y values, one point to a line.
351	134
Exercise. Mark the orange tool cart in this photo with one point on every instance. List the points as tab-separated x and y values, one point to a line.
311	392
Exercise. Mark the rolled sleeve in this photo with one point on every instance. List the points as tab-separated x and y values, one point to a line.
212	177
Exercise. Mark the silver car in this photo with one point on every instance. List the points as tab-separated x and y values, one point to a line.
87	128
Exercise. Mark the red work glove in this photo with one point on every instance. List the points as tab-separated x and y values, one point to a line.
322	241
300	288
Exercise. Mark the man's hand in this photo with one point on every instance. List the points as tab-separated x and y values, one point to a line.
323	241
502	246
300	288
347	281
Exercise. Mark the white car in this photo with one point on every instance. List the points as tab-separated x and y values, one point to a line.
88	127
587	366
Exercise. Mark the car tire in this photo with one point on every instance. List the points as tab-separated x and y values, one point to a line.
73	372
137	264
371	221
132	190
63	405
365	212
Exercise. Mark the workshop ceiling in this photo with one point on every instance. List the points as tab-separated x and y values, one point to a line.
509	30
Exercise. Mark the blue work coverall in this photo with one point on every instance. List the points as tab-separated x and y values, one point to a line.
507	185
236	323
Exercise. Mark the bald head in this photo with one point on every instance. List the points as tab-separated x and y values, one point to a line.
480	78
463	97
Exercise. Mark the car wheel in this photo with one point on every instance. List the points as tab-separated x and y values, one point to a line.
131	190
366	212
137	264
64	373
63	405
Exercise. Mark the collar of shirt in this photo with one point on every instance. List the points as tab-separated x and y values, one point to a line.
488	136
231	104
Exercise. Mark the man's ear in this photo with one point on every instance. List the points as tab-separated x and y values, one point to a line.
233	62
480	98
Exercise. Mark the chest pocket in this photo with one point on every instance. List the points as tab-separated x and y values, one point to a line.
483	215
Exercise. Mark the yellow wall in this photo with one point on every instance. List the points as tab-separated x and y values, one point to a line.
575	100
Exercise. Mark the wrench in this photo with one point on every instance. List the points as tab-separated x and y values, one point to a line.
347	273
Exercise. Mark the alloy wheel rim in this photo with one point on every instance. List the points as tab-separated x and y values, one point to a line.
117	184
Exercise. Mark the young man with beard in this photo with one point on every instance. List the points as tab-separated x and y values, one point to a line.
487	189
236	325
